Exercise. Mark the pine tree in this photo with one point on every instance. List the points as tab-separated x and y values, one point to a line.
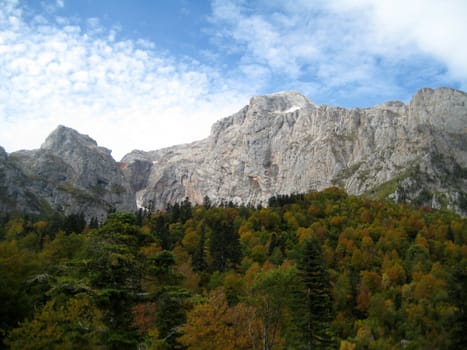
199	257
113	269
160	229
315	319
224	244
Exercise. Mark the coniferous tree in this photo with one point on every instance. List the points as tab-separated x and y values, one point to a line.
74	223
93	223
114	275
185	210
139	217
160	229
199	257
459	296
224	243
315	319
207	202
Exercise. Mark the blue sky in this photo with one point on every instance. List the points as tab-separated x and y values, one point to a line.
147	74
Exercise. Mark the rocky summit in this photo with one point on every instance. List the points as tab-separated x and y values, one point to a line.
280	143
283	143
70	173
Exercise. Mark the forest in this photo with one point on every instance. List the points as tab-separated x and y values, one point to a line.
321	270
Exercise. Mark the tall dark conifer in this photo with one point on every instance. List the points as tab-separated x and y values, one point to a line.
113	268
224	244
199	257
316	313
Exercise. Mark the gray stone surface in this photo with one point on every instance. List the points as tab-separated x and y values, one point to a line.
283	143
278	144
72	174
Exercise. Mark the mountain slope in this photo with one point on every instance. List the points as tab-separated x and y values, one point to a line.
283	143
69	173
278	144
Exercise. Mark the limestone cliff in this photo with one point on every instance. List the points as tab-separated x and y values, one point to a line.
278	144
69	173
283	143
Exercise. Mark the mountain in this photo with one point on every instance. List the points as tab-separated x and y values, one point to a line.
69	173
280	143
283	143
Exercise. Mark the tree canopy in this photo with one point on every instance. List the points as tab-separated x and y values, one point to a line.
322	270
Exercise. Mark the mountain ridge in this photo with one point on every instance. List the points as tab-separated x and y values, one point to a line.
280	143
268	152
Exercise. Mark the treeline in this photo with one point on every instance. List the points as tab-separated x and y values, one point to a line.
321	270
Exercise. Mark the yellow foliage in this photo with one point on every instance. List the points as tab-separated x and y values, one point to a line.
364	333
41	225
146	229
14	228
422	241
56	327
291	220
191	240
304	234
346	345
259	253
150	250
214	325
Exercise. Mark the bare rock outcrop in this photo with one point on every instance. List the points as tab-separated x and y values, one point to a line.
72	174
283	143
280	143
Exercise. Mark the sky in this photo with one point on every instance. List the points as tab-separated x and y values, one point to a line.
147	74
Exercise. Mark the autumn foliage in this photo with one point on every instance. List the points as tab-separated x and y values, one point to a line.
321	270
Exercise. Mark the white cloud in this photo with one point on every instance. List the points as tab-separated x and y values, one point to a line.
435	27
270	39
125	94
131	94
348	46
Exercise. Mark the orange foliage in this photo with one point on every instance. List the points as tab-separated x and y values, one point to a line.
144	316
214	325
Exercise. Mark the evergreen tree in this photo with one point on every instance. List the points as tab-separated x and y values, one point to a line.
207	202
458	291
94	223
224	243
172	305
315	318
139	217
113	270
185	210
74	223
199	257
160	229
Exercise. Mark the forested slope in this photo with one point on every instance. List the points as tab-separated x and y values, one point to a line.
319	270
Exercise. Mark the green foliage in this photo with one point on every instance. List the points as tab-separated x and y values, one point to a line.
271	296
224	244
172	305
308	271
113	269
75	325
74	223
315	298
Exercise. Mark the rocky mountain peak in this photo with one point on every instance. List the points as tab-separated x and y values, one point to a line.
69	173
63	136
279	143
283	143
64	140
442	108
280	103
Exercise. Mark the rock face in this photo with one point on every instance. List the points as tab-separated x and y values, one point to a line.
278	144
69	173
14	196
282	143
